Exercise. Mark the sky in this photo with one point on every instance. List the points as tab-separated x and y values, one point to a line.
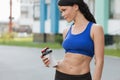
5	10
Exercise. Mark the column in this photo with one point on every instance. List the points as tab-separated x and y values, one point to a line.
54	16
42	16
102	13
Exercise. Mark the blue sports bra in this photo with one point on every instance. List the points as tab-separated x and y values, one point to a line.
79	43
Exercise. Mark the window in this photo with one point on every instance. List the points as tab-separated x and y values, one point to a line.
24	14
26	1
36	12
114	9
24	11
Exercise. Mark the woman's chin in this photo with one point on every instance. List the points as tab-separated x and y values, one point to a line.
68	21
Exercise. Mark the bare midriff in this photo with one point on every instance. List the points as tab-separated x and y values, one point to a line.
74	64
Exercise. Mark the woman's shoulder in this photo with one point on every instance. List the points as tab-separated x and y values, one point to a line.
95	25
97	29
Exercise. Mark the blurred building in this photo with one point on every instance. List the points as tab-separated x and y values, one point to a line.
106	12
114	17
42	16
25	21
23	9
36	16
3	27
13	8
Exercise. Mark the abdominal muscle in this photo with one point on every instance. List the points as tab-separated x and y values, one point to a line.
74	64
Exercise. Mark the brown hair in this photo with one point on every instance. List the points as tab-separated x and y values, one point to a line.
83	7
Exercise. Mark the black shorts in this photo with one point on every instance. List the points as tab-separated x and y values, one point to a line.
63	76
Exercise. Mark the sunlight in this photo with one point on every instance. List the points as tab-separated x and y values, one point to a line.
5	9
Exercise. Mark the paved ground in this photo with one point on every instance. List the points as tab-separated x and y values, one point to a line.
20	63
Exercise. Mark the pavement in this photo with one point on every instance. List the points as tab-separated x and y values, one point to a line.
23	63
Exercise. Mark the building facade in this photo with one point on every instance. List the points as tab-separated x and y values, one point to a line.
106	12
26	14
44	17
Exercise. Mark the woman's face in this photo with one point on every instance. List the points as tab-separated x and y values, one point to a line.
68	12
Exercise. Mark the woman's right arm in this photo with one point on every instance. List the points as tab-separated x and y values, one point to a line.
45	60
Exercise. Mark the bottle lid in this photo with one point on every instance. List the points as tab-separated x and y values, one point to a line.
44	49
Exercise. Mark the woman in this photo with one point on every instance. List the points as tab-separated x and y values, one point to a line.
83	40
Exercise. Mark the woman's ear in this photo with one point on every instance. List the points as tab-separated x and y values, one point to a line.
76	7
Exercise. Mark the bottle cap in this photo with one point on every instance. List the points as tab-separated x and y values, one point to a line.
44	50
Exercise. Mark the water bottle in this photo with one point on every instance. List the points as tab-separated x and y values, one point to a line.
47	52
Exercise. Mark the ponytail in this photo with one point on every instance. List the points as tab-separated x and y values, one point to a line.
86	12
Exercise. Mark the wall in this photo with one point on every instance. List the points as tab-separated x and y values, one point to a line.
114	27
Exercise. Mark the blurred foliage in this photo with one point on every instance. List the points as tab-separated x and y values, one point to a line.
7	36
58	38
112	52
11	40
117	41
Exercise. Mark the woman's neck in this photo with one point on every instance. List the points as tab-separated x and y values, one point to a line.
80	20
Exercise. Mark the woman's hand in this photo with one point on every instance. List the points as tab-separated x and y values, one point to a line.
45	60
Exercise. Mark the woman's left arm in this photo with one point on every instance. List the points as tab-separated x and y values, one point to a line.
98	37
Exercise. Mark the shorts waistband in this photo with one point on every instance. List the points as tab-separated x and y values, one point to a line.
70	75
